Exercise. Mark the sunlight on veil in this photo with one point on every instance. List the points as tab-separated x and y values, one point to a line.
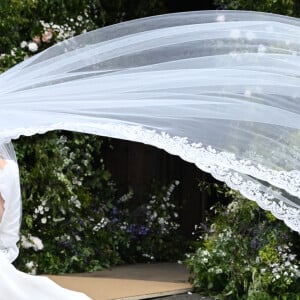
220	89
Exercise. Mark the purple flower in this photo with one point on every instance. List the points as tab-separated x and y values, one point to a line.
143	230
131	228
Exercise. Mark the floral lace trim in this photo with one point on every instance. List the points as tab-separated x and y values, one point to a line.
222	165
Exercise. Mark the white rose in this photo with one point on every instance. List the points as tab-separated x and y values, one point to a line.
32	46
23	44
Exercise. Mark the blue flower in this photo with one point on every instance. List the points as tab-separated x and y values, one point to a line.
143	230
131	228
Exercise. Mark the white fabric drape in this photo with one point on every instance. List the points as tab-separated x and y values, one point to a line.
220	89
11	197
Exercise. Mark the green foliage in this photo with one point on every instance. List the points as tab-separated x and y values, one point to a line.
153	232
72	219
20	19
245	254
284	7
63	181
30	26
107	12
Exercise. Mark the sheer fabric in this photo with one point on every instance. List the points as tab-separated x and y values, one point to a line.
17	285
11	197
218	88
13	283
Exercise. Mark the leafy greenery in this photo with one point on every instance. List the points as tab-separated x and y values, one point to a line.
30	26
72	219
245	253
59	200
284	7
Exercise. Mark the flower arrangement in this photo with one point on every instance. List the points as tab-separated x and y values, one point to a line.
51	33
245	253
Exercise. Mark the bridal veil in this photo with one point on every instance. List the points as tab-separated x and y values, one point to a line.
220	89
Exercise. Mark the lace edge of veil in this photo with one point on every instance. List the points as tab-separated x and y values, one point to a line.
223	166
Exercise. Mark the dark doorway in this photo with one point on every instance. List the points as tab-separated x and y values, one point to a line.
137	166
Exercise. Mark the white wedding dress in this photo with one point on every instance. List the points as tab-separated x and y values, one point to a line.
16	285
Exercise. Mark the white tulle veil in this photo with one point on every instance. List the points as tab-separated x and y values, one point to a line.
221	89
7	152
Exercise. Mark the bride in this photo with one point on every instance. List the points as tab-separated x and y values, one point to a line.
14	284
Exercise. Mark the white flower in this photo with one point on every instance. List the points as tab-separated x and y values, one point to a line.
234	205
39	210
292	257
154	215
44	220
287	263
44	24
31	242
25	243
297	273
32	46
74	200
77	238
29	264
23	44
37	243
161	221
